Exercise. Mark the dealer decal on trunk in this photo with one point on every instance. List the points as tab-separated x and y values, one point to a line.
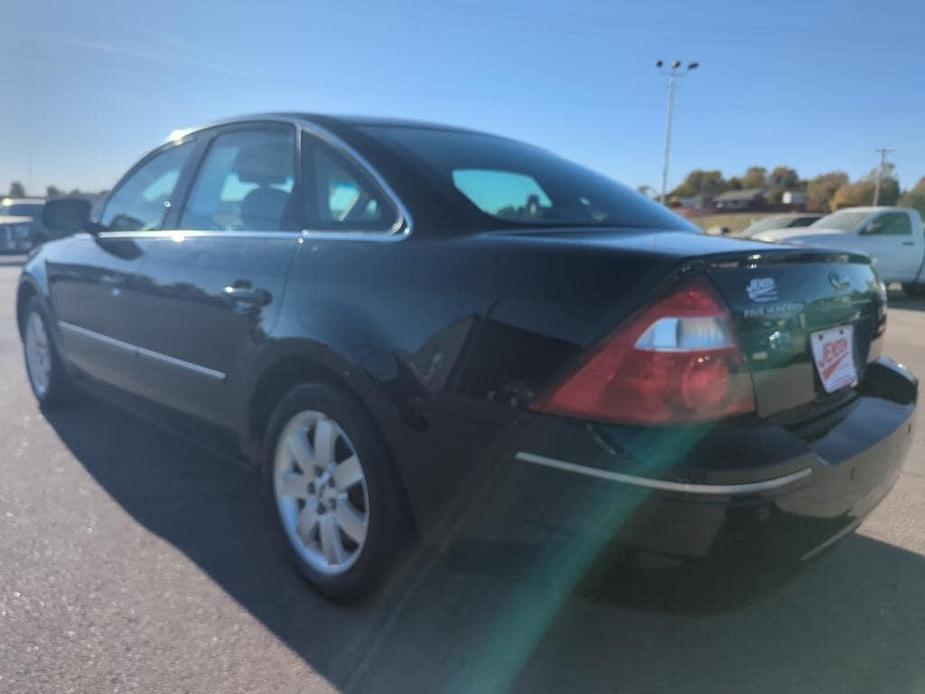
833	352
762	289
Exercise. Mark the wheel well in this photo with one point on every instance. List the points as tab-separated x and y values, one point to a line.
273	386
282	377
25	293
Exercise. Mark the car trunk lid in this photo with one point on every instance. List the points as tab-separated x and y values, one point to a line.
807	322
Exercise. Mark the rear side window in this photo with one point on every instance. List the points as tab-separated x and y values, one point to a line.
340	196
897	224
141	201
245	182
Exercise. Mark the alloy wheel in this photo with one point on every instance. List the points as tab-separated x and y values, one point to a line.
321	492
38	354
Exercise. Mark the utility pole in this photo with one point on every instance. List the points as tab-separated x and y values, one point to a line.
673	73
883	153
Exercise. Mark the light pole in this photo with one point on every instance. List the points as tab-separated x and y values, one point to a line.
672	73
883	152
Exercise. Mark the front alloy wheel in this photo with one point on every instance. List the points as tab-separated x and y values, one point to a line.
38	354
48	378
321	492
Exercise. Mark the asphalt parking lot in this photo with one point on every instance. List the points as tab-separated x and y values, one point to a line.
133	559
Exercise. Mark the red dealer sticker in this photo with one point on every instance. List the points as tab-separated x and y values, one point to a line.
833	352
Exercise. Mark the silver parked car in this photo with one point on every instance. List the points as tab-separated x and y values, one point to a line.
21	224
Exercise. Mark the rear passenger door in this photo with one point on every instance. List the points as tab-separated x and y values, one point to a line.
215	282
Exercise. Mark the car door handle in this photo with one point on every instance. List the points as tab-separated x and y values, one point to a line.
246	294
908	243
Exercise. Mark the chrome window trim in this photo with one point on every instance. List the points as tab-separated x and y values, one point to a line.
665	485
179	235
403	226
401	230
143	351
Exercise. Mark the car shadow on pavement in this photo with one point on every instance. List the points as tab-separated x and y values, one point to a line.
485	617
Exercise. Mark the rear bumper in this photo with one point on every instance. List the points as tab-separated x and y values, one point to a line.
751	492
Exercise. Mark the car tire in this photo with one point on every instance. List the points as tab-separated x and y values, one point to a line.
337	503
914	290
48	377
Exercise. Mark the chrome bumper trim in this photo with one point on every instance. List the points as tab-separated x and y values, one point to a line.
665	485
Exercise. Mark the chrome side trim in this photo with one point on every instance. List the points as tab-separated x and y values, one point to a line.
143	351
180	363
665	485
96	336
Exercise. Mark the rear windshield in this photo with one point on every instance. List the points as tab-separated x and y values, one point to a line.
769	223
519	184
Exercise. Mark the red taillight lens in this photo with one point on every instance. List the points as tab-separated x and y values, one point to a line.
675	361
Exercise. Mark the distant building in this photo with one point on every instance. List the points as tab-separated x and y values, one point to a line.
745	200
794	198
693	202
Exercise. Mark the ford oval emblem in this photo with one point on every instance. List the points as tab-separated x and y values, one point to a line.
839	280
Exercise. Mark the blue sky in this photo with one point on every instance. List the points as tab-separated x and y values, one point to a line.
89	87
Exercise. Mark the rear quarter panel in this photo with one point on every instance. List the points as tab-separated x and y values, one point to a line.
446	339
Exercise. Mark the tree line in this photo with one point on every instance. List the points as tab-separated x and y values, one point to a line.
18	190
824	193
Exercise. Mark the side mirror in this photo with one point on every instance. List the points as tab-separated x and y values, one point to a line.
66	216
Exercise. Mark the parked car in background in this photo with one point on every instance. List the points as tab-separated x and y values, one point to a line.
892	236
780	221
401	321
21	224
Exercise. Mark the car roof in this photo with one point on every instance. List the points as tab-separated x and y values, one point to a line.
870	208
323	120
792	215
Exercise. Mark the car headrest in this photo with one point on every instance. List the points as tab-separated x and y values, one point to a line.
263	208
265	164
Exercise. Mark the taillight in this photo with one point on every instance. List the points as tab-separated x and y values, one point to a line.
674	361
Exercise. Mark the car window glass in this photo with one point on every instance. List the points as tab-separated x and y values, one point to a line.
844	220
140	202
541	188
894	224
342	198
21	210
245	182
504	194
